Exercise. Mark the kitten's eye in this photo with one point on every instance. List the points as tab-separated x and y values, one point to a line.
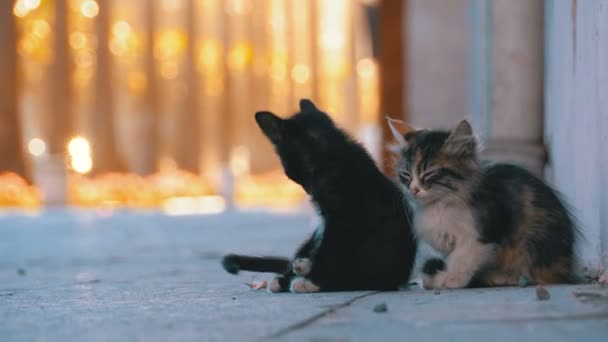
405	177
437	175
431	177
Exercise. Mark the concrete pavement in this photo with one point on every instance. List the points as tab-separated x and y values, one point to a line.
99	276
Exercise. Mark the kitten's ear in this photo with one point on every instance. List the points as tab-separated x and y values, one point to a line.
461	140
306	105
271	125
399	129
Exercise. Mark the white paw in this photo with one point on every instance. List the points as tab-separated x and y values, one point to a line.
448	280
301	285
274	285
302	266
428	282
257	285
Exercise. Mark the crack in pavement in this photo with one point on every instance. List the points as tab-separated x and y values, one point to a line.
309	321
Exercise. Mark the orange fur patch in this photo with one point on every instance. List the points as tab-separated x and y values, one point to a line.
559	272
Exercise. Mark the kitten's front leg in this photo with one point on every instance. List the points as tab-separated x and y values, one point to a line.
302	285
302	267
280	283
286	281
463	263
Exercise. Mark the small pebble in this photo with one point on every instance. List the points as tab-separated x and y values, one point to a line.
21	271
437	292
542	293
523	281
381	308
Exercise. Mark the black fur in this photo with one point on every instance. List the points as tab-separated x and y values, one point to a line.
234	263
367	242
498	209
432	266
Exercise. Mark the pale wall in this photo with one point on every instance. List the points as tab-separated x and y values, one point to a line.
576	113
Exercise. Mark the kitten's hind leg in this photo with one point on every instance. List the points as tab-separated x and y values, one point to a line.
501	278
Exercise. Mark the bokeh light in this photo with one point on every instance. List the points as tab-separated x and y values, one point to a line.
36	147
79	146
89	9
300	73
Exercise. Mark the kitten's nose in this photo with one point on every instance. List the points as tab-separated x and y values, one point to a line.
415	190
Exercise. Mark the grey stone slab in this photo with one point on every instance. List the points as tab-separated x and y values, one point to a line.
500	314
90	276
143	277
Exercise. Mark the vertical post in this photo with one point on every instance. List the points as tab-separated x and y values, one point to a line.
150	164
104	150
506	89
60	126
11	148
392	72
210	65
51	174
187	151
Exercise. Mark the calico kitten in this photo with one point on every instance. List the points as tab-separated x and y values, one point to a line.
495	223
365	241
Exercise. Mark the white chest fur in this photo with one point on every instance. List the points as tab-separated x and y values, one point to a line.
319	223
445	225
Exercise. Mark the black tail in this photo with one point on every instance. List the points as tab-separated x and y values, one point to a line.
234	263
432	266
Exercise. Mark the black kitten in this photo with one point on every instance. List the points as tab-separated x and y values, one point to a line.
366	241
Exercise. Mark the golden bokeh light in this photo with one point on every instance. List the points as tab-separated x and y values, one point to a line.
15	192
124	41
366	68
24	7
240	56
304	48
82	164
209	55
89	8
41	28
118	47
121	29
36	147
170	44
79	146
19	10
80	155
300	73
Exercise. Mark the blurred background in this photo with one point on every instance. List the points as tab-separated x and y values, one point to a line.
148	104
